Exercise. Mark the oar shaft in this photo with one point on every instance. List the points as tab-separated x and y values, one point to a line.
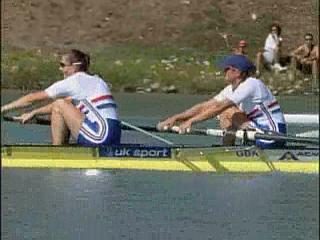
241	134
146	128
123	123
36	120
287	138
47	121
253	135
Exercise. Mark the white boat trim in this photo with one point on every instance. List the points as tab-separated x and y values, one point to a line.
302	118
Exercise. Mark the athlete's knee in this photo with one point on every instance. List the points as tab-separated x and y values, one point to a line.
57	105
238	119
225	121
232	118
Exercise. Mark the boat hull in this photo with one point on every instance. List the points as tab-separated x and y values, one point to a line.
205	159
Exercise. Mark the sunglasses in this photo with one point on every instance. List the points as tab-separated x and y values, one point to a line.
308	39
62	64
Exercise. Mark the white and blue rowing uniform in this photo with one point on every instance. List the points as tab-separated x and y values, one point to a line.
92	96
261	107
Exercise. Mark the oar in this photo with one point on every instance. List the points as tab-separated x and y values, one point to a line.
241	134
47	121
35	120
144	131
253	135
145	128
124	125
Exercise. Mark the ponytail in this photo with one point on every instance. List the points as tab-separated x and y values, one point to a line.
81	59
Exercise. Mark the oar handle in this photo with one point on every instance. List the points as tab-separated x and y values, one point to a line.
35	120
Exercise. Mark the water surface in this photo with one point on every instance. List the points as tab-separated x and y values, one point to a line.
79	204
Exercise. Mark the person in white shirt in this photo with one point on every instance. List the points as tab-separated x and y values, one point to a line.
271	53
82	105
245	103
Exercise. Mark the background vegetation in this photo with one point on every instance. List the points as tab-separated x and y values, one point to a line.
150	46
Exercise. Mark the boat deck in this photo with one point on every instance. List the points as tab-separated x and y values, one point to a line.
205	159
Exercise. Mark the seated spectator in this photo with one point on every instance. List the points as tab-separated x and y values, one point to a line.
270	56
240	49
306	57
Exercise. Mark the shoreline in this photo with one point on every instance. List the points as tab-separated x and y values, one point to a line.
135	69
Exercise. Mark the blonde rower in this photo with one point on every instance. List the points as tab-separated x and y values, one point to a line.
83	104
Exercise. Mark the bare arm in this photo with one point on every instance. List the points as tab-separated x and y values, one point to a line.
315	53
43	110
189	113
25	101
196	109
213	109
296	52
314	56
46	109
38	111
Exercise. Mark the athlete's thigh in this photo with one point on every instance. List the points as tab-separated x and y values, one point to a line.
72	117
232	118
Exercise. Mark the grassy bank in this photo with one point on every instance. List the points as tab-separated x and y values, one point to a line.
135	68
126	68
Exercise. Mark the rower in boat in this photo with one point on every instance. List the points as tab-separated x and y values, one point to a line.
83	105
245	103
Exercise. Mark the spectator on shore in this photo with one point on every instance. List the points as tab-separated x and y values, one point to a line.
306	58
270	55
240	49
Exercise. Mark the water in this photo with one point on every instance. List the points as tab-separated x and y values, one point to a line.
78	204
68	204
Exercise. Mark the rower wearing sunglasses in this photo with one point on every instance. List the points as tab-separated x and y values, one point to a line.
82	105
246	103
